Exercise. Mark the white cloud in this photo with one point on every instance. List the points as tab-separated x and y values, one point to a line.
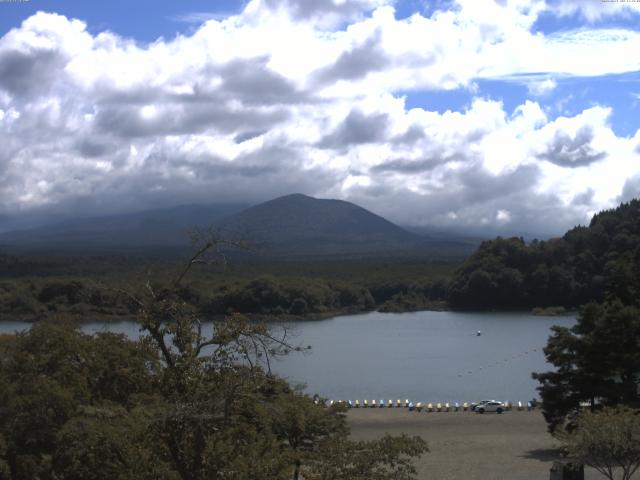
267	102
594	10
542	87
503	216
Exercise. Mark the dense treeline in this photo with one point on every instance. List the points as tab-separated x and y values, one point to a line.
282	293
593	263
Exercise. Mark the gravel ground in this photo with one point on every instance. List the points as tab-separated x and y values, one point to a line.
469	446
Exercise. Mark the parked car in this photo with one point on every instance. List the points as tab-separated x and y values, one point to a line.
474	405
491	406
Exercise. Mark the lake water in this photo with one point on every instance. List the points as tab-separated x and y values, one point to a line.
422	356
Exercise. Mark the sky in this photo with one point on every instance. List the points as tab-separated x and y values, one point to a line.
504	116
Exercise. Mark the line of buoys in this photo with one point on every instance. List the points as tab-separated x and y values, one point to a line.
498	363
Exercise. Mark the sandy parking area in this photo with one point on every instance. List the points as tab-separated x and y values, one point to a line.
469	446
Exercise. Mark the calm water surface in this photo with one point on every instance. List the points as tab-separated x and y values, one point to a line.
423	356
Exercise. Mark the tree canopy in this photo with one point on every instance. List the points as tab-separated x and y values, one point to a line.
596	361
608	440
593	263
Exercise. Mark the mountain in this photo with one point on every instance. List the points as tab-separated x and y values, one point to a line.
300	225
291	226
134	232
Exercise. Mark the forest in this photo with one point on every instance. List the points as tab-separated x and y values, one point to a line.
597	262
90	287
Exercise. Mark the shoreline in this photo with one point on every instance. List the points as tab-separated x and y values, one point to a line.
267	318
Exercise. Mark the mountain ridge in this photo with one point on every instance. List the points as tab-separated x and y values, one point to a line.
291	225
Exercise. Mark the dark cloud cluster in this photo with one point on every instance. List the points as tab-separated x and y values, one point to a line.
253	83
356	63
309	9
406	166
130	121
29	73
567	151
356	129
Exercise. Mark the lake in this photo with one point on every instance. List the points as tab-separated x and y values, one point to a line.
422	356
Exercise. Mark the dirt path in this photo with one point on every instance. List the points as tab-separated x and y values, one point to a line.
469	446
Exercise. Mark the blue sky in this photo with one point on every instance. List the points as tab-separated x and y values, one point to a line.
144	20
463	114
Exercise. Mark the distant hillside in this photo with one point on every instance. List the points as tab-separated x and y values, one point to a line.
298	224
587	263
290	226
135	232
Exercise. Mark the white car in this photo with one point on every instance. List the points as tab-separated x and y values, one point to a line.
490	406
475	405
